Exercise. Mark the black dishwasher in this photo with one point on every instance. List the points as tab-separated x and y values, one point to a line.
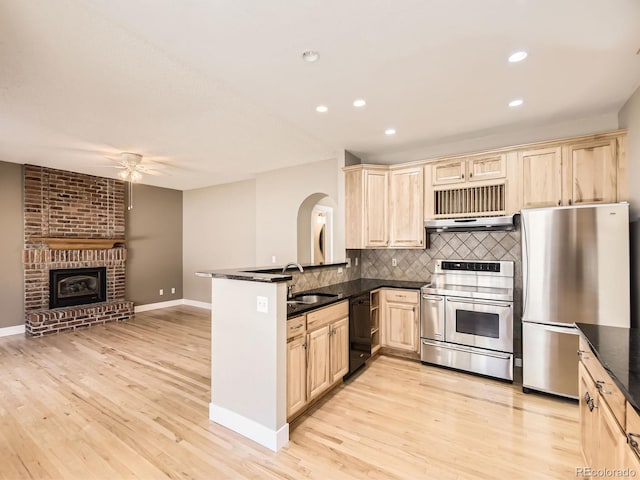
359	331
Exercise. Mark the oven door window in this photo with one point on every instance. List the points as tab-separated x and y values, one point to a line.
478	323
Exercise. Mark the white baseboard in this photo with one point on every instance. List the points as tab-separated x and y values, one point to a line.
272	439
196	303
16	330
169	303
156	306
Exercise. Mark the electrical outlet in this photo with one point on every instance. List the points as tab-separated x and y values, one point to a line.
161	292
273	259
518	362
173	290
262	304
394	262
348	262
356	261
339	270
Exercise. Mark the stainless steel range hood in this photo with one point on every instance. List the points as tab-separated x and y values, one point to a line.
502	223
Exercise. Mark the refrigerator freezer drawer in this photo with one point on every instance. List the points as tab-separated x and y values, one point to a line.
549	359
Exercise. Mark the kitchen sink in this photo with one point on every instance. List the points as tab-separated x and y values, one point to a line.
310	298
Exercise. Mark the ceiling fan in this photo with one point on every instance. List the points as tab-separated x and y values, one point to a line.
131	171
132	168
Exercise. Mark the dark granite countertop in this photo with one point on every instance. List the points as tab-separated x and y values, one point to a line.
618	350
347	290
269	274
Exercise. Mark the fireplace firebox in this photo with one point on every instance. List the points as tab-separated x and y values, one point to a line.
77	286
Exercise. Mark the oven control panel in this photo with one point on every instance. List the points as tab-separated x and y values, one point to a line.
472	266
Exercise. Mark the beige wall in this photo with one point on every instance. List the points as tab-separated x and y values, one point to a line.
11	243
154	241
280	193
219	231
630	119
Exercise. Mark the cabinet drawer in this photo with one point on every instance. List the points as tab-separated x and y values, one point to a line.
609	391
402	296
296	326
322	316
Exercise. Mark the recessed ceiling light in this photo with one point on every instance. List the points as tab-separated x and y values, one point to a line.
518	56
516	103
359	103
310	56
322	109
390	131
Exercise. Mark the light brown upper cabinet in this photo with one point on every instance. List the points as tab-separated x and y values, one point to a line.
591	169
406	207
448	171
384	208
384	204
541	177
367	198
586	170
471	169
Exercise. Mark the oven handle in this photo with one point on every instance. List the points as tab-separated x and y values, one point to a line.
457	348
479	302
433	297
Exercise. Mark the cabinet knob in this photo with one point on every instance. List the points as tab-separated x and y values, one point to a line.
470	175
463	176
569	201
559	202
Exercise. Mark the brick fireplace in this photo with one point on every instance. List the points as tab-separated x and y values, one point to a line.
72	221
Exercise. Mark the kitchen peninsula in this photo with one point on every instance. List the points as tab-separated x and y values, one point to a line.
249	377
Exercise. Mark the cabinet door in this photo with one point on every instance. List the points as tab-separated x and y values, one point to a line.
487	168
296	374
406	207
354	209
401	326
448	171
612	441
375	209
588	398
541	177
318	373
339	348
592	172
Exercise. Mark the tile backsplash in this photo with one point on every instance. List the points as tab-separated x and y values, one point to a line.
317	277
419	264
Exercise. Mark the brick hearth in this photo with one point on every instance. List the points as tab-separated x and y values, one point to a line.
63	204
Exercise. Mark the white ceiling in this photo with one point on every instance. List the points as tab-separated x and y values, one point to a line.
216	89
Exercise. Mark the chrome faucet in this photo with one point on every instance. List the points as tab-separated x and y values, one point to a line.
290	286
292	264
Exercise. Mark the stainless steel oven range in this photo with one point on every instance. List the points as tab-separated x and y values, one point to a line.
467	317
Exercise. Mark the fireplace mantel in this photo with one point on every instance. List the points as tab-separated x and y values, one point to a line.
61	243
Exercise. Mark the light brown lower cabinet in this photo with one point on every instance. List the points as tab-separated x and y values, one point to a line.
296	374
606	439
401	319
317	355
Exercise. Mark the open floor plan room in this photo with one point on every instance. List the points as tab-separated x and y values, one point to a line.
130	400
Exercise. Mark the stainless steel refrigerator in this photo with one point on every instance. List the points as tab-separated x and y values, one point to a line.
575	269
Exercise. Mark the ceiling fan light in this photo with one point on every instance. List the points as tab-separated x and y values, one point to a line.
135	176
123	174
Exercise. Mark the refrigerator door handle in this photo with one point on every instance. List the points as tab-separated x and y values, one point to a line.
525	267
570	330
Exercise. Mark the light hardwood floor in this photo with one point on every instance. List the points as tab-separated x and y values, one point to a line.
130	400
